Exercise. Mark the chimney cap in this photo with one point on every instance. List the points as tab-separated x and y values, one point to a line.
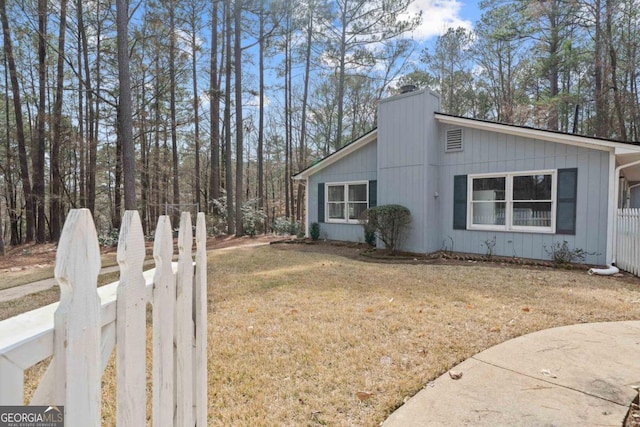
407	88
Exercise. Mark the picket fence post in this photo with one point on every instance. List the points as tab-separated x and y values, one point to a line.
200	324
131	327
164	302
184	322
81	331
77	322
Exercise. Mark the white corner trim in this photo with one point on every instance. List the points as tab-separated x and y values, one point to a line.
612	208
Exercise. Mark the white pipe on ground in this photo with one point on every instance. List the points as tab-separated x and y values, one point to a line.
609	271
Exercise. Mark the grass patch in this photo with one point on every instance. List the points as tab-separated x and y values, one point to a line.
17	278
300	337
294	336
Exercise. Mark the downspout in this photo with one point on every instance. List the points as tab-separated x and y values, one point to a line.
611	267
306	207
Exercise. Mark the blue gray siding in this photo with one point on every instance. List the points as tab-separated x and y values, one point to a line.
487	152
358	166
412	169
407	155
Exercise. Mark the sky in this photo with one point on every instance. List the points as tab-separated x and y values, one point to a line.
438	15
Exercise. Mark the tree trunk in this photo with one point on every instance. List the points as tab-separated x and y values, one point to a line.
55	200
91	139
214	110
613	58
260	153
81	141
155	187
598	72
287	115
17	107
144	159
126	116
37	155
8	171
196	116
237	52
341	76
227	122
290	103
303	118
116	217
172	108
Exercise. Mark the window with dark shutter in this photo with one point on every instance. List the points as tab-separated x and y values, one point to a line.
567	197
373	193
460	202
321	202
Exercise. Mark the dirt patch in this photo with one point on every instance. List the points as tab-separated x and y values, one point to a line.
28	256
364	252
34	256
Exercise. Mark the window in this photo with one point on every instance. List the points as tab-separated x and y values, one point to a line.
346	201
522	201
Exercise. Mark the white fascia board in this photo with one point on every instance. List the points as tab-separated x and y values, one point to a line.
627	150
337	155
543	135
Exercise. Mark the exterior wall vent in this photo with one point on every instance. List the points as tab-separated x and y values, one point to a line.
454	140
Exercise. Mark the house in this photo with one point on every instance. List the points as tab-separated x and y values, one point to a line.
469	183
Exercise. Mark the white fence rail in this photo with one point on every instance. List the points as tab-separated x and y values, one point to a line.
81	331
628	240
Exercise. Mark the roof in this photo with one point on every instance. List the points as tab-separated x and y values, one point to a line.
338	154
629	150
621	147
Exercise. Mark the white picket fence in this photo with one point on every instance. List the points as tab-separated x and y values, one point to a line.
628	240
519	217
81	331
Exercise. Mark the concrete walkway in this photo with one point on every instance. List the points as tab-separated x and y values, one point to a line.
578	375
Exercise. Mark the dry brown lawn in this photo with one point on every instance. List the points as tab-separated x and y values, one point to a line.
304	335
295	336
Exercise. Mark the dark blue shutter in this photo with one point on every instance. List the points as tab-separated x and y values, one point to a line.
321	202
460	202
567	196
373	193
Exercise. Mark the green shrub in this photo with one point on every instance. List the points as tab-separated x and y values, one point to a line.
314	231
283	225
389	223
369	235
109	237
253	217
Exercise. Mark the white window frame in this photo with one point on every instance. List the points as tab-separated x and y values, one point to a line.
345	185
508	226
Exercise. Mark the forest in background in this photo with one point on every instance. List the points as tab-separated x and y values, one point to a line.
230	98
